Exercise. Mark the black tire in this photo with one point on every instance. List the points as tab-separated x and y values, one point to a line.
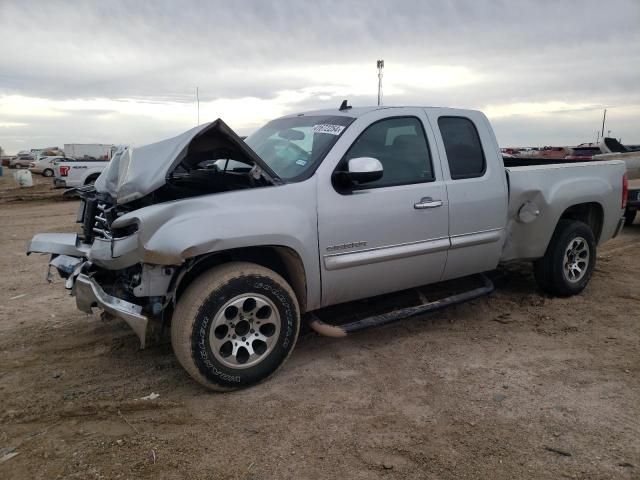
629	216
550	272
47	172
206	301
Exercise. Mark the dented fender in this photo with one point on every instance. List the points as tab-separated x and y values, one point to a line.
171	233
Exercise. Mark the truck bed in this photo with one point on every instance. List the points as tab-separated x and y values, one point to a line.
631	160
551	188
525	162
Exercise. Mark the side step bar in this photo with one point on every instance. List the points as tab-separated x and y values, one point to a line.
377	320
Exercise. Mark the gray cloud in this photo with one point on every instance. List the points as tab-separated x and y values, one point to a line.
581	52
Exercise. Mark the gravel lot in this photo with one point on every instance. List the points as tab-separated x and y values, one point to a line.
516	385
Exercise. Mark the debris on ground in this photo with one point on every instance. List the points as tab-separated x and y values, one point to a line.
151	396
564	453
7	453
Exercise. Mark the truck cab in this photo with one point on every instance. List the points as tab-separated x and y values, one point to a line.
442	200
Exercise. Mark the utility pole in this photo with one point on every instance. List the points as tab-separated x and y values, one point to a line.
604	117
380	66
198	102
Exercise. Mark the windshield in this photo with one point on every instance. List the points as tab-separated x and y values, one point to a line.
293	146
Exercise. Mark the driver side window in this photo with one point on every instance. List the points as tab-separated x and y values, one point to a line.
401	146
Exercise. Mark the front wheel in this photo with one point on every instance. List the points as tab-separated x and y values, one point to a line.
235	325
569	261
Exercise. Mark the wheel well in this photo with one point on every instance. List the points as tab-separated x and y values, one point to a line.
91	177
590	213
282	260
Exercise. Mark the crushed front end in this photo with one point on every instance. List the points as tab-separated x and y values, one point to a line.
111	263
101	265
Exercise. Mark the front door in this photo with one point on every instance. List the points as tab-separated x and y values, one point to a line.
390	234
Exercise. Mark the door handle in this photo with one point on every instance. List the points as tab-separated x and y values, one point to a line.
427	202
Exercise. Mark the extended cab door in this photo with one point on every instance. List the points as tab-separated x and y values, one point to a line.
477	190
390	234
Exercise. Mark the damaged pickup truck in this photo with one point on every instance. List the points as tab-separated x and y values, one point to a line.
233	242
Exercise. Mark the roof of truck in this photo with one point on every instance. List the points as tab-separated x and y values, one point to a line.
354	112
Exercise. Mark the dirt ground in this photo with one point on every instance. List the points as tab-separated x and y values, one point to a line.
515	385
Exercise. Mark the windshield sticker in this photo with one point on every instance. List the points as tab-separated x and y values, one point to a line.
301	162
330	129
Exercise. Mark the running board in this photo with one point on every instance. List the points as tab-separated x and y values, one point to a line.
377	320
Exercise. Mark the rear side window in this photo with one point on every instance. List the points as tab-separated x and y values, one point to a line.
463	147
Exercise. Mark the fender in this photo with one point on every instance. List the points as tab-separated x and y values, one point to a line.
173	232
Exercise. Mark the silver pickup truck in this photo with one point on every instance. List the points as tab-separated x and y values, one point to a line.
232	243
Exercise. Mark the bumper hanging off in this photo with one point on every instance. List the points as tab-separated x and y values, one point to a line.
89	294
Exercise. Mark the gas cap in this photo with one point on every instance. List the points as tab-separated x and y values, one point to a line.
528	212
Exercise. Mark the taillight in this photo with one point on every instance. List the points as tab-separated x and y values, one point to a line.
64	171
625	190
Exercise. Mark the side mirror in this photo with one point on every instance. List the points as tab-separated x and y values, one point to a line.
364	170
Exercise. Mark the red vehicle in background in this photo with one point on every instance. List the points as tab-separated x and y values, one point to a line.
584	154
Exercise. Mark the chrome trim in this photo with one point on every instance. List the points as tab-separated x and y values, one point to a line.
89	294
475	238
364	165
382	254
427	202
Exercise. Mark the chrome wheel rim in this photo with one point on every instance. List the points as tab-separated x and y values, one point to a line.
576	260
244	331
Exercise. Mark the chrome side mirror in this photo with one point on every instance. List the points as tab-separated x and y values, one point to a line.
364	170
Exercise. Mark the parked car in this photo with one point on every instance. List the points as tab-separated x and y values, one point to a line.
71	173
21	160
45	165
234	243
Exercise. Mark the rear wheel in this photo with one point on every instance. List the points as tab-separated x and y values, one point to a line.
47	172
235	325
629	216
569	261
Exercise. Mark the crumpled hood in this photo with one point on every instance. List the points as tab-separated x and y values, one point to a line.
135	172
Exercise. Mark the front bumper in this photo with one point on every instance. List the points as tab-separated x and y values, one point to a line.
112	254
89	294
70	254
58	243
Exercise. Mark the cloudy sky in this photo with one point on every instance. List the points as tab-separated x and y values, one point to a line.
126	72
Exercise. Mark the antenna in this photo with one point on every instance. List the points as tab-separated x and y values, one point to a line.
380	67
198	102
604	117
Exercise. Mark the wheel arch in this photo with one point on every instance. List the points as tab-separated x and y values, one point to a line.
285	261
591	213
91	177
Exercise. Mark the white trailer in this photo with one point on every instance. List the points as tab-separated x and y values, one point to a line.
99	151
